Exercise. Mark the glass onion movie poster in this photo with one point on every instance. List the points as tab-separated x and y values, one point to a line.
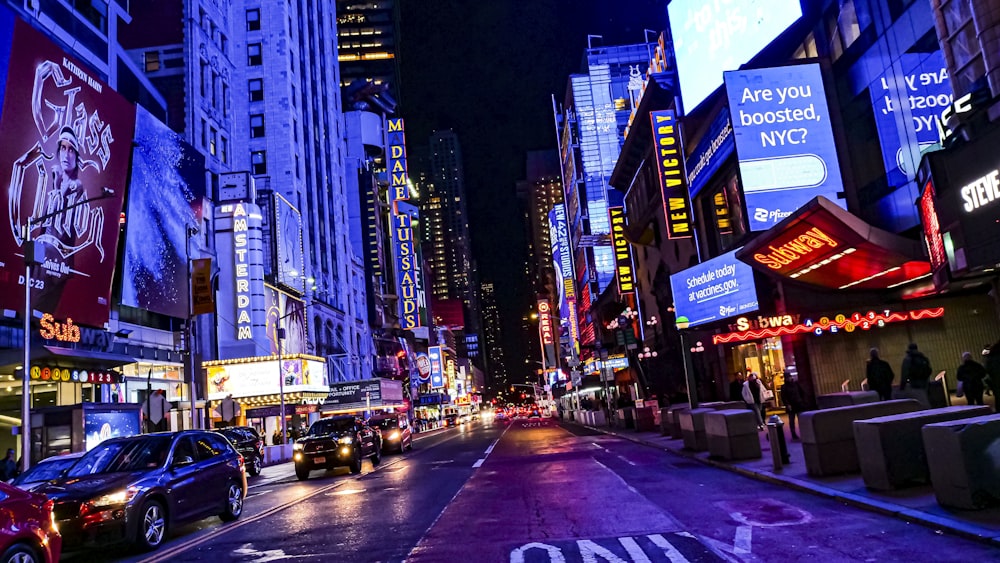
165	198
63	166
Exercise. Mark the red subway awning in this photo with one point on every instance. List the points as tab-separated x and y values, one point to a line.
823	245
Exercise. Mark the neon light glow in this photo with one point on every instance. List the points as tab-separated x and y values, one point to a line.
863	321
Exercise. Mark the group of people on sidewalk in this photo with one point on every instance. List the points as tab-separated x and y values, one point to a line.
974	380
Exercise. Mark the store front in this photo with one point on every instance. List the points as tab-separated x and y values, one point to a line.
258	385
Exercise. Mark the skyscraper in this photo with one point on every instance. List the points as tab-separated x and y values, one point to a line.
496	370
540	192
368	39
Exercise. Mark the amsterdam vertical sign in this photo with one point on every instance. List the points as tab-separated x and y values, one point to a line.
404	214
673	175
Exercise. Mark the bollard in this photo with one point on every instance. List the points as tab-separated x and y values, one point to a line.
776	435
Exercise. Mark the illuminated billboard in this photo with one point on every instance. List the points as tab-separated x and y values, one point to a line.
405	219
165	197
713	37
714	290
784	140
907	108
284	311
623	252
254	379
669	152
435	355
288	239
63	166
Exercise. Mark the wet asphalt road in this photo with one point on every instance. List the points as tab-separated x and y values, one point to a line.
541	491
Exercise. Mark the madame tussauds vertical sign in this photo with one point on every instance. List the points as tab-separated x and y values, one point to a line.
63	163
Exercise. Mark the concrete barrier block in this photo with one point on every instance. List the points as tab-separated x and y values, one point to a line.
891	448
833	400
693	429
675	420
963	457
836	424
731	422
644	419
666	421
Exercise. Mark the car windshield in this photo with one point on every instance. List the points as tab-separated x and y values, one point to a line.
331	425
384	423
46	471
133	454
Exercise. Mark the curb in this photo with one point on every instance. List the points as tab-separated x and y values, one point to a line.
934	522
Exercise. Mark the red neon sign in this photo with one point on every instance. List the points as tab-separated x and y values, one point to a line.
545	323
863	321
932	229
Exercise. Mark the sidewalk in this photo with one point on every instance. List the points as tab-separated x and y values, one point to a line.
914	504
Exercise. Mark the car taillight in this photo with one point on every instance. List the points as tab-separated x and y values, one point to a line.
242	464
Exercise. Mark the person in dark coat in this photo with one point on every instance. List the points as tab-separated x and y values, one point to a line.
992	364
916	369
880	375
971	375
8	466
794	398
736	387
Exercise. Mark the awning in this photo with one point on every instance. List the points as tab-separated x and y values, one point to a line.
823	245
60	355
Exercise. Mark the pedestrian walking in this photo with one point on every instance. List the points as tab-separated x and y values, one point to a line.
794	398
276	437
8	466
753	396
970	377
736	387
880	375
916	369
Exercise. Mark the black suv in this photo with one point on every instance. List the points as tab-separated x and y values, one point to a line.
248	442
336	441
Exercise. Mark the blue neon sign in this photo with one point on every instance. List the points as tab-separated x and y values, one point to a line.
714	290
437	367
784	140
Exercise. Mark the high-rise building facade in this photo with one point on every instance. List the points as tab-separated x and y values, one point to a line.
540	192
496	370
368	37
447	235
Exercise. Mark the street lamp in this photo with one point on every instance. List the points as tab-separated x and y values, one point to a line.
682	323
654	323
29	261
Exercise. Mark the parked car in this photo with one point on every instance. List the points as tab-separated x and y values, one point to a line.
137	489
249	443
44	471
28	531
395	429
450	420
334	442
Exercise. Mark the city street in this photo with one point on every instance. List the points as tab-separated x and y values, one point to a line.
542	491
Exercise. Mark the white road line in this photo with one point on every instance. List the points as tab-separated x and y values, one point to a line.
619	477
489	450
258	493
479	463
628	461
742	543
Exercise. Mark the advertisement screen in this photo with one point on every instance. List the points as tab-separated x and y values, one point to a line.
284	311
907	107
66	142
6	33
165	198
261	378
714	290
437	367
713	37
100	426
288	239
784	140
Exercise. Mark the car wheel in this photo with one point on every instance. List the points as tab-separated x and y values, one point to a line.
376	455
301	473
234	502
255	467
356	460
20	553
152	526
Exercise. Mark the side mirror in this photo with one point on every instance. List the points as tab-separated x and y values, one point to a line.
183	461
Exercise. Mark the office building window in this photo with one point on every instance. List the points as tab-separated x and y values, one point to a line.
213	139
256	125
203	70
254	57
258	160
253	19
152	60
204	133
256	88
224	150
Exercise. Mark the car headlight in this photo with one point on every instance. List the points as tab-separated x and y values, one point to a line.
394	435
346	440
114	499
297	446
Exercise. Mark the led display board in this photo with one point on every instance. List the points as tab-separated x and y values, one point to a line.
292	315
102	425
669	153
711	151
623	252
404	218
784	140
63	166
435	355
166	194
262	378
711	37
907	109
714	290
288	239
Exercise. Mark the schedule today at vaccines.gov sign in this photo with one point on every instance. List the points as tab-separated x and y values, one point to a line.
714	290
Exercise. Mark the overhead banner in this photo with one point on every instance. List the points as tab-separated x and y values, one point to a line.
669	153
63	166
165	207
714	290
784	141
624	270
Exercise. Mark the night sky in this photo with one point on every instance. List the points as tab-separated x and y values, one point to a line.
488	69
